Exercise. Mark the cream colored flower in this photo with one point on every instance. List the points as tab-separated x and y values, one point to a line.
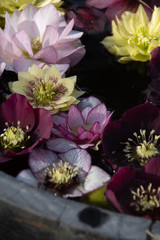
11	5
134	37
45	88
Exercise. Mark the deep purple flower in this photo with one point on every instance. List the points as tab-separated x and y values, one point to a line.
117	7
82	126
22	127
69	174
135	138
137	192
87	19
155	63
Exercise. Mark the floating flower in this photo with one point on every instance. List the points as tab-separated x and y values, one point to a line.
86	19
81	127
45	88
21	126
134	37
135	138
11	5
39	37
68	175
137	192
118	7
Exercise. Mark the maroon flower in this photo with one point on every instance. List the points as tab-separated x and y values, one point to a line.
21	126
137	192
135	138
117	7
87	19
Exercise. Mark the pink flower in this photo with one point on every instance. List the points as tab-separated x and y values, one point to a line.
68	174
81	127
39	37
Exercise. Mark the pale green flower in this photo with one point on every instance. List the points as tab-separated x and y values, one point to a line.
134	36
11	5
45	88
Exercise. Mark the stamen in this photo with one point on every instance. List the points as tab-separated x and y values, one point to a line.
146	199
14	138
142	149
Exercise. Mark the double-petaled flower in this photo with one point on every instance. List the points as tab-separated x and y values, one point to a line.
81	127
45	88
39	37
134	37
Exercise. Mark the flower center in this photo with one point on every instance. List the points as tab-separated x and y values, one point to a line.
146	199
87	127
142	39
140	148
36	45
14	138
43	92
62	176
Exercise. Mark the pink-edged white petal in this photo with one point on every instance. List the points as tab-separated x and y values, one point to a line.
74	117
85	111
22	65
50	36
22	40
11	22
27	177
98	113
67	29
44	17
41	158
85	135
48	55
78	157
60	145
95	127
95	179
89	102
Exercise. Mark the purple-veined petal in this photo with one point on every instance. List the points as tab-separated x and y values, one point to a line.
78	157
67	29
40	159
98	113
22	65
22	40
48	54
60	145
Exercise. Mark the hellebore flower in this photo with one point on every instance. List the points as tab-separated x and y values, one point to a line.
135	138
81	127
39	37
21	126
134	37
44	88
137	192
118	7
11	5
86	19
69	174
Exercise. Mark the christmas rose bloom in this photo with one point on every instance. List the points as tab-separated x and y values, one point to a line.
39	37
11	5
21	127
45	88
135	138
81	127
118	7
69	174
134	37
137	192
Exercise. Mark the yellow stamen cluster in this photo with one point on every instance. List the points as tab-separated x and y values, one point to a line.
146	199
142	149
14	138
36	45
43	92
62	174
